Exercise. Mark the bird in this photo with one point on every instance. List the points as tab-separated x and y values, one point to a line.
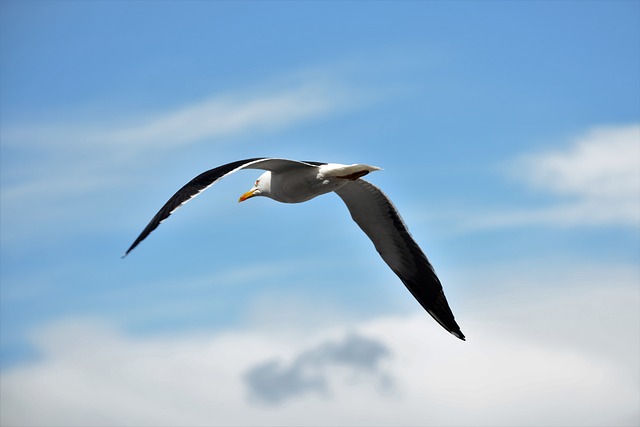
292	181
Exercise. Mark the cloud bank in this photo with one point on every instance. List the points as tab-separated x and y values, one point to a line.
569	359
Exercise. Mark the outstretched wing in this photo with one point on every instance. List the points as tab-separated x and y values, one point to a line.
372	210
205	180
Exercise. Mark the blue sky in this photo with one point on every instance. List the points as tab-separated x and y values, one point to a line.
509	137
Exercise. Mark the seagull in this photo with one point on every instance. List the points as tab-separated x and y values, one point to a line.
291	181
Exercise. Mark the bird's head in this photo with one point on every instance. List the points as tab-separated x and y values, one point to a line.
262	187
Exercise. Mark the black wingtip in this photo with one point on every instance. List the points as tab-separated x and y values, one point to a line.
136	242
459	334
124	255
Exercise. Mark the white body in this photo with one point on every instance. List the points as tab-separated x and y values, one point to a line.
297	186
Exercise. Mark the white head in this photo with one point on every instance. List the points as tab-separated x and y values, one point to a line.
262	187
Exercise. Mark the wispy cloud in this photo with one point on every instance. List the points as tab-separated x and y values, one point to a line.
227	115
217	116
593	181
60	171
569	359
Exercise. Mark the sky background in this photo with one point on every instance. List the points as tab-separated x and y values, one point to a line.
508	134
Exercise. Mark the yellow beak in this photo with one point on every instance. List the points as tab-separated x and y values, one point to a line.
249	194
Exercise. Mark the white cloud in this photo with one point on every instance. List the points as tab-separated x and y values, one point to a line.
604	165
595	181
598	176
569	358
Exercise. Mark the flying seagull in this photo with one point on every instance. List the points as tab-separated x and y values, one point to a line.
291	181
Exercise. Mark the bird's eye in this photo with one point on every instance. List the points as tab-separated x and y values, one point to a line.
257	181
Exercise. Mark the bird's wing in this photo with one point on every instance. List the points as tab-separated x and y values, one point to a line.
372	210
206	179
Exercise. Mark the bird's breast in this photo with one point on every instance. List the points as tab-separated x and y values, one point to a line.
300	186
